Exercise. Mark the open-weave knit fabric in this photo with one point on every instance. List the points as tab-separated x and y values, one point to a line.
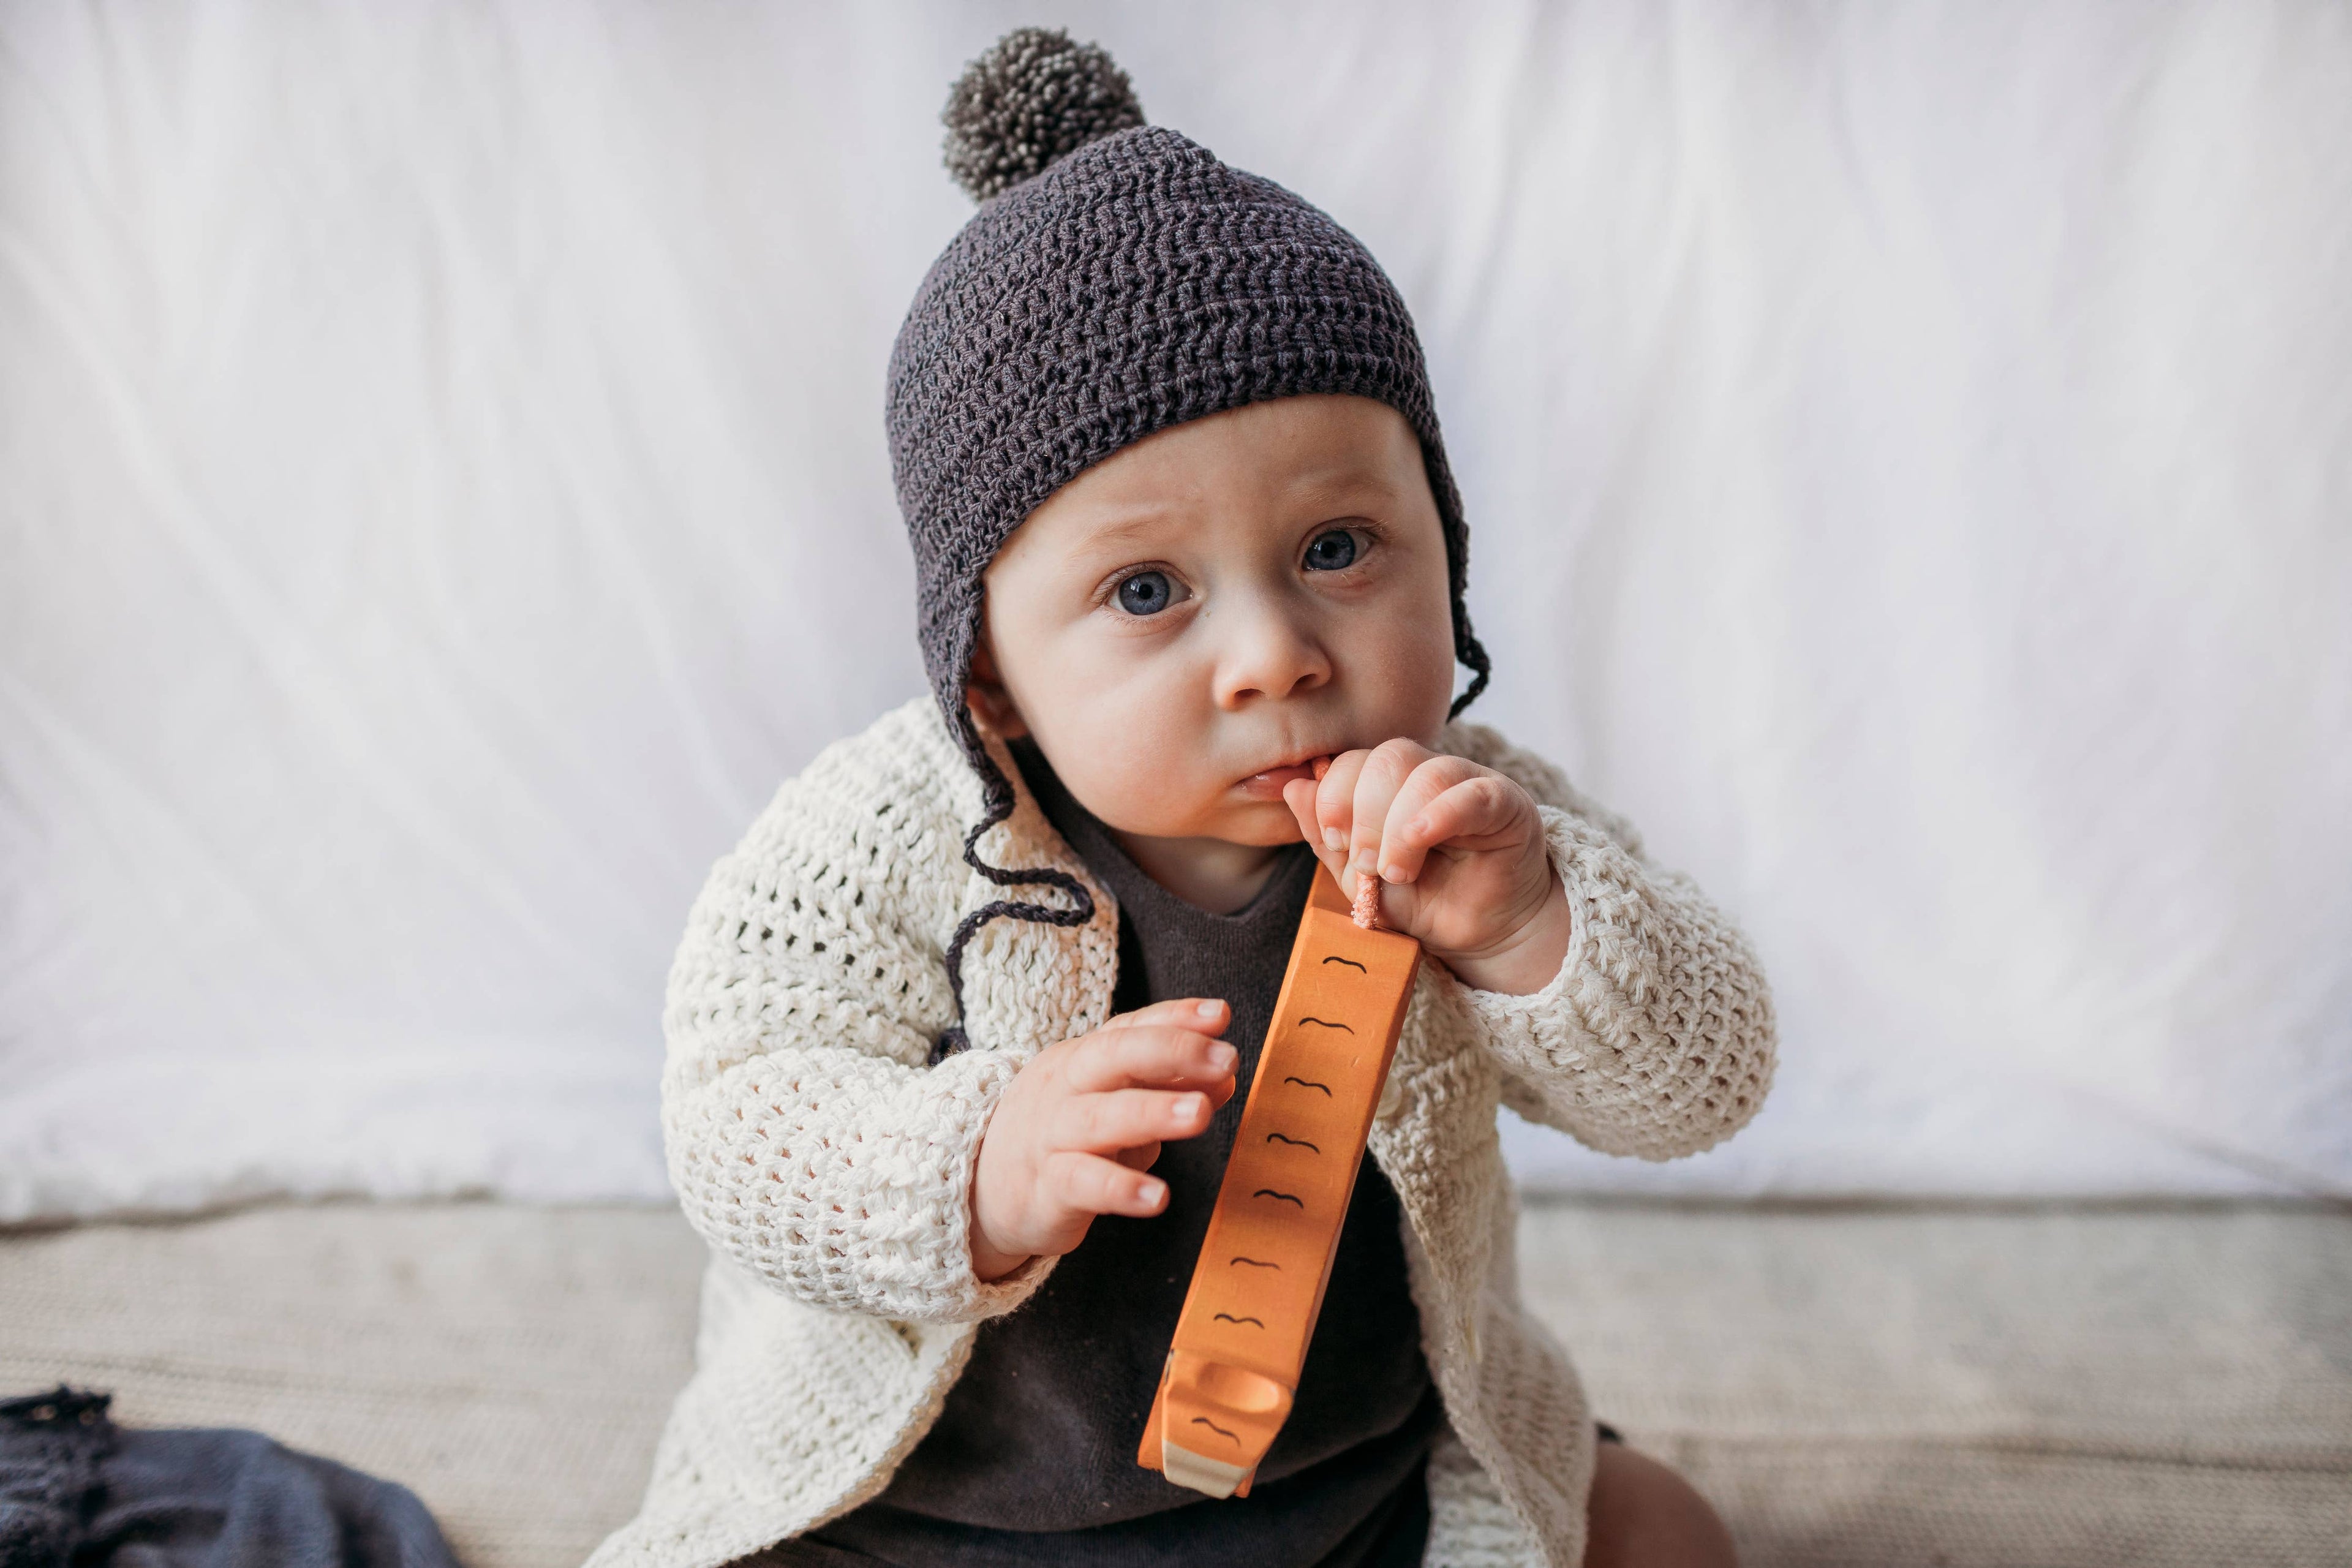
831	1169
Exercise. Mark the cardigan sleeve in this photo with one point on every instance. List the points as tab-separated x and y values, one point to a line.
1657	1037
806	1137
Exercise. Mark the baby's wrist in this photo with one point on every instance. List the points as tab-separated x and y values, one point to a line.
990	1263
1525	962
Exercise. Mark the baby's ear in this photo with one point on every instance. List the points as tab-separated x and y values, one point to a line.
992	708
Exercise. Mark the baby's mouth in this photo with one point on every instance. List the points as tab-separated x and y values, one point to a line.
1268	786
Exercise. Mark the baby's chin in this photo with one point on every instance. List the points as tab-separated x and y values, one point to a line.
1259	824
1234	819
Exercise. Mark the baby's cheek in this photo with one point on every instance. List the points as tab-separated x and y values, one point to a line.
1136	782
1150	793
1410	683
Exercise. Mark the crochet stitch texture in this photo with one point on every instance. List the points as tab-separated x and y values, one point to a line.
1116	280
830	1169
1135	284
1033	98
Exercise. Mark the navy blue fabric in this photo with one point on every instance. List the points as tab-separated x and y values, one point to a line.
78	1491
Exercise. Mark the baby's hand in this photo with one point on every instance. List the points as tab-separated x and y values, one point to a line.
1460	854
1080	1124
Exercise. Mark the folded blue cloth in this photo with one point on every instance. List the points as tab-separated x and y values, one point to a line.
78	1491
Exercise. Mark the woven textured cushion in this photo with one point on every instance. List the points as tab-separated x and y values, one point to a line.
1974	1389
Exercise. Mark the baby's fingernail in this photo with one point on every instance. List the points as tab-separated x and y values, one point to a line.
1208	1009
1334	840
1150	1191
1186	1106
1222	1059
1368	863
1391	874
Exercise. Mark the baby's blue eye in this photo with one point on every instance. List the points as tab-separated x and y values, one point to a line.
1145	593
1332	550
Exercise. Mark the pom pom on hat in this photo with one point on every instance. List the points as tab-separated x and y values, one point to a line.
1033	98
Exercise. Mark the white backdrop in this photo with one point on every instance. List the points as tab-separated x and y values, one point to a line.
442	492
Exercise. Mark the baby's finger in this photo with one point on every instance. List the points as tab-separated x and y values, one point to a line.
1205	1014
1405	835
1148	1055
1300	795
1335	797
1105	1124
1383	776
1478	814
1090	1184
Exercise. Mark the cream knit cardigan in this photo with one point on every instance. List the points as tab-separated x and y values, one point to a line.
830	1169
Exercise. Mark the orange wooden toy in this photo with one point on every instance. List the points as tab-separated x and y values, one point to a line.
1257	1290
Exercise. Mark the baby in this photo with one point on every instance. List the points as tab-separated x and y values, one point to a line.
956	1033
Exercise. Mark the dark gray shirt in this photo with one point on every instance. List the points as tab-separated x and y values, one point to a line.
1033	1458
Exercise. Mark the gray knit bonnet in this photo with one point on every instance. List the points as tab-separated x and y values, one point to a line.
1116	280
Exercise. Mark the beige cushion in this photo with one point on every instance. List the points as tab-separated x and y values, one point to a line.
1923	1387
2030	1388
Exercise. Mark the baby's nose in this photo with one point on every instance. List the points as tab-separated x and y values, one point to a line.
1270	654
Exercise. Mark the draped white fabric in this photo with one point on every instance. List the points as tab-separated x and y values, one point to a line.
442	492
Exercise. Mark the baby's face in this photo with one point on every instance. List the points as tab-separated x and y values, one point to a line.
1191	623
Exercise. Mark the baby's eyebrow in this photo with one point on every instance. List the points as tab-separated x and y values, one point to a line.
1131	529
1117	542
